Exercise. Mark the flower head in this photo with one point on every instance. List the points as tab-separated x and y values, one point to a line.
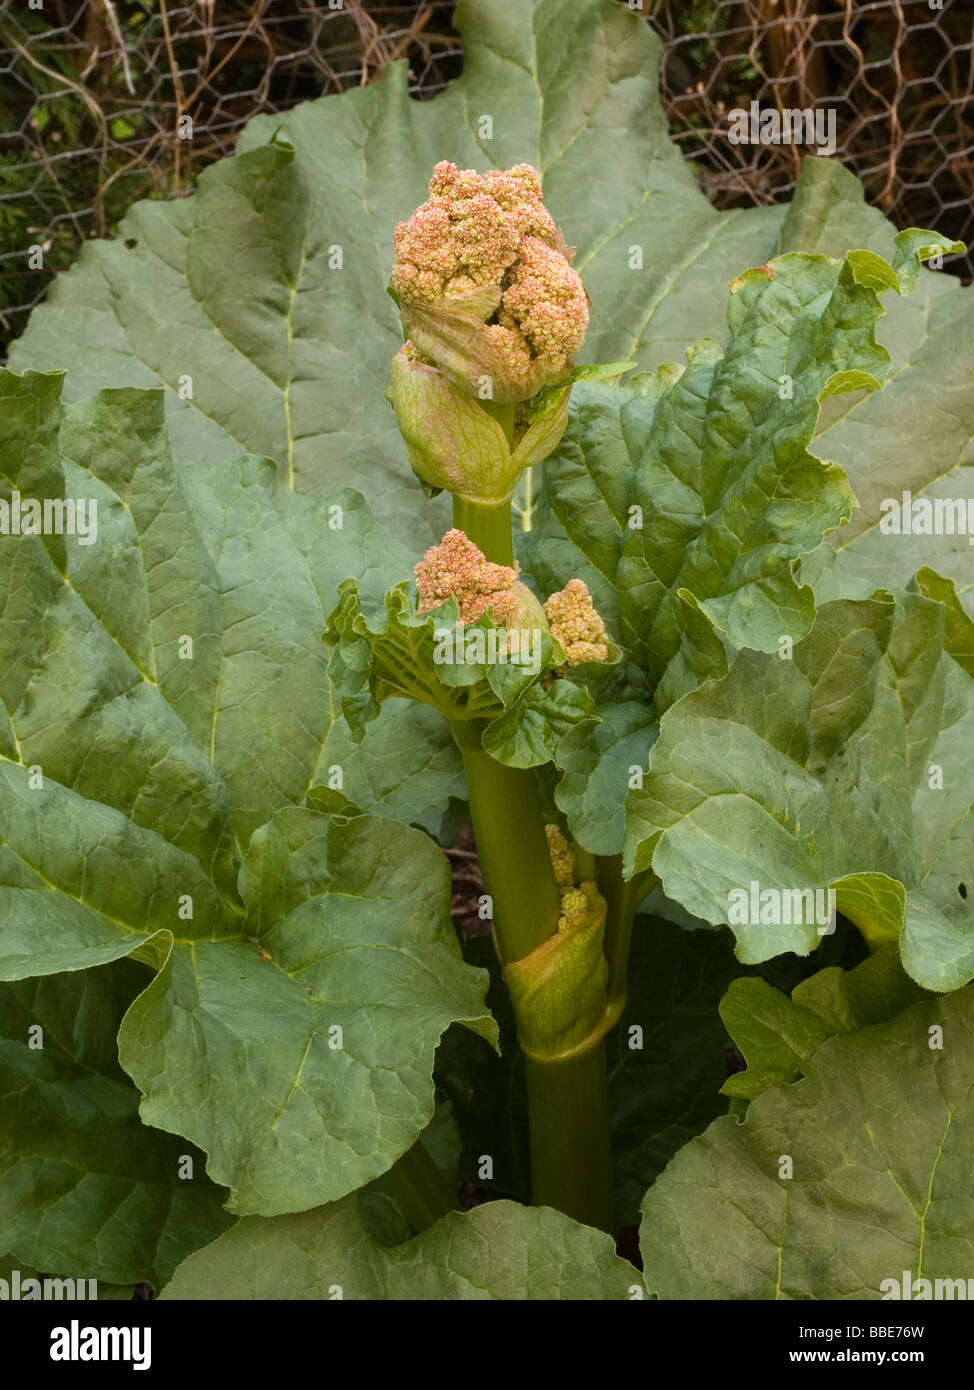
457	569
562	857
485	283
468	232
574	622
544	302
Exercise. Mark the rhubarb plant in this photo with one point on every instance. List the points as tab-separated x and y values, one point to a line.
498	552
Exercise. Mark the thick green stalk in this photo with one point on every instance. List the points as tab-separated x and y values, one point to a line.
504	806
420	1188
585	864
489	527
509	830
568	1117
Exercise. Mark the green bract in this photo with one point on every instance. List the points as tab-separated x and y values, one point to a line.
85	1187
452	442
453	337
559	989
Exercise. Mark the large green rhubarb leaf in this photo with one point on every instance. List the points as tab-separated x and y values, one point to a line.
686	499
164	696
776	1035
86	1189
407	769
600	759
302	1061
909	460
691	494
497	1251
917	437
847	767
834	1186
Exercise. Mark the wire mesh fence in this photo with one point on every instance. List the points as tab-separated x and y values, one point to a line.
898	75
94	97
93	94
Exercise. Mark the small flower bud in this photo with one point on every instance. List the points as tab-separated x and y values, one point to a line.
574	623
575	908
561	855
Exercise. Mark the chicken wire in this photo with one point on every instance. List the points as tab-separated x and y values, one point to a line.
92	92
898	74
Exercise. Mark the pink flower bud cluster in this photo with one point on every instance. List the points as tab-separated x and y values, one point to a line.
490	236
574	622
544	302
457	569
576	905
562	857
575	908
468	232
